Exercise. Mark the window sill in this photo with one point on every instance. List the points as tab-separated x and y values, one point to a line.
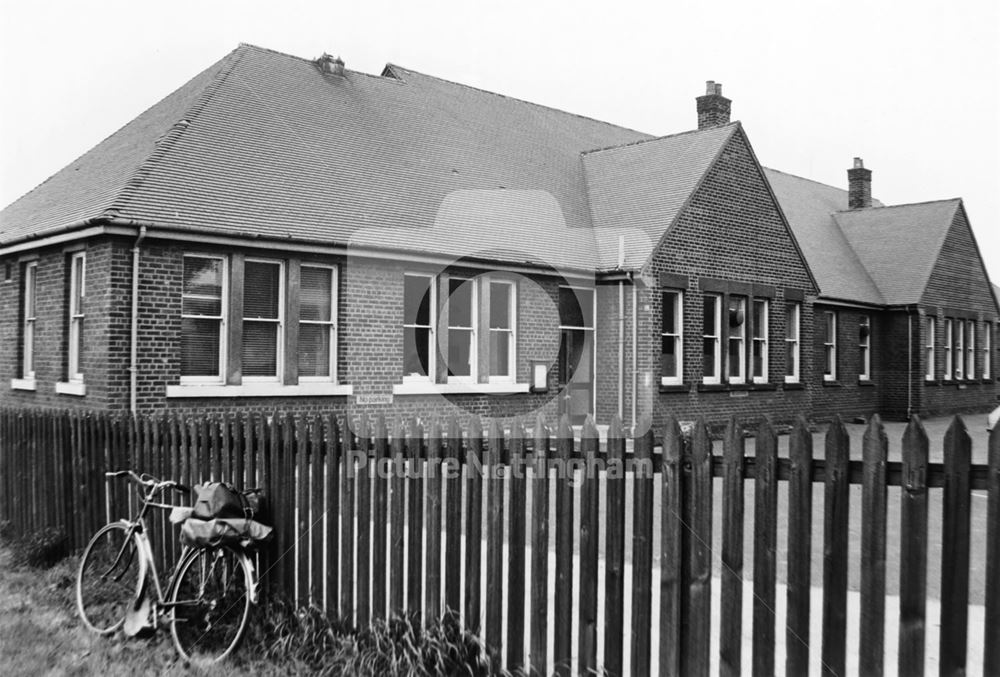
866	383
428	388
793	385
76	388
832	384
261	390
22	384
674	387
725	387
931	382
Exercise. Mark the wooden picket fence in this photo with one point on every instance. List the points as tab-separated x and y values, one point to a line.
371	522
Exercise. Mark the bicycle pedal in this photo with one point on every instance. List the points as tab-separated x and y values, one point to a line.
139	619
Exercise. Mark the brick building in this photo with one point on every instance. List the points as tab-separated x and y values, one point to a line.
288	233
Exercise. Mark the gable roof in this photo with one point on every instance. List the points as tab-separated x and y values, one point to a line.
264	144
637	190
899	245
809	207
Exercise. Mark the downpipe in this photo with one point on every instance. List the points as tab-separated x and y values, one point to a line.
133	358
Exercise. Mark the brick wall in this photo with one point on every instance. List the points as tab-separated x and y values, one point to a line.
848	395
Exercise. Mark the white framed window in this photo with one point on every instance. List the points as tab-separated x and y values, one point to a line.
970	349
711	339
949	356
930	327
672	338
864	348
317	359
793	323
28	326
759	350
419	323
959	347
829	345
77	294
987	349
463	311
203	318
503	331
736	340
263	320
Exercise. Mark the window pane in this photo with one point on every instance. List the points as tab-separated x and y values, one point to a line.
260	349
669	313
668	356
199	347
203	277
758	358
790	366
791	321
759	319
459	352
500	306
830	328
416	351
417	300
260	290
196	306
78	282
576	307
735	350
315	291
708	357
29	290
499	353
314	350
460	303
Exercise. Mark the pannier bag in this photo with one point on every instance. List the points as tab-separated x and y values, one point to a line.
218	499
211	533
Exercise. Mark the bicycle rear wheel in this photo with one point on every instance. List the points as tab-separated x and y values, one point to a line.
107	581
210	603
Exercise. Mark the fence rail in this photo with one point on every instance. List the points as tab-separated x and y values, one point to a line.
526	533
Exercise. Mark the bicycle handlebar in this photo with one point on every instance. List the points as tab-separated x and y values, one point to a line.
150	482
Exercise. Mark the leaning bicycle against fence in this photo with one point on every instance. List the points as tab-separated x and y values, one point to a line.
208	597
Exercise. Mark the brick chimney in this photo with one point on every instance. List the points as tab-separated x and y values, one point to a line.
859	181
713	108
330	64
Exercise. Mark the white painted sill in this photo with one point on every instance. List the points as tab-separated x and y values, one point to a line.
427	388
260	390
76	388
22	384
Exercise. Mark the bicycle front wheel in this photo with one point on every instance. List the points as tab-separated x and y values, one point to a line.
210	603
108	579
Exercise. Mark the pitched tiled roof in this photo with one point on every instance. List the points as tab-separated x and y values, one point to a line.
264	144
637	190
899	245
809	207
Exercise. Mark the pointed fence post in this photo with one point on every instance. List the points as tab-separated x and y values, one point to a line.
614	602
333	517
642	549
347	513
874	498
516	549
731	613
913	550
453	520
415	520
589	536
364	526
433	471
696	554
474	526
563	644
765	548
991	658
836	495
397	572
800	452
671	550
380	517
540	551
494	543
955	547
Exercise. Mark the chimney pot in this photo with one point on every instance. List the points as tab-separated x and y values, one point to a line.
331	65
859	186
713	108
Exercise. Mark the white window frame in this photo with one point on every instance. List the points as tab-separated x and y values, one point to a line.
474	318
279	366
331	324
970	350
830	345
741	339
223	325
511	331
796	341
929	347
949	356
716	338
677	335
759	337
77	295
865	348
987	348
959	345
432	347
30	319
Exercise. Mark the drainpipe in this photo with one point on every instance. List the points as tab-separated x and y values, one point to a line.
635	353
909	362
621	330
133	361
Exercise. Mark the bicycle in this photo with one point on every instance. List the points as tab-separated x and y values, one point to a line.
208	596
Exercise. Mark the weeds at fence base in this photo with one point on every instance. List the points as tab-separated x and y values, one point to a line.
42	549
310	641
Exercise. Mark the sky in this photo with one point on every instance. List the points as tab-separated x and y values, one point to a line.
911	87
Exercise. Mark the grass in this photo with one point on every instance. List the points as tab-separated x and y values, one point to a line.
41	634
